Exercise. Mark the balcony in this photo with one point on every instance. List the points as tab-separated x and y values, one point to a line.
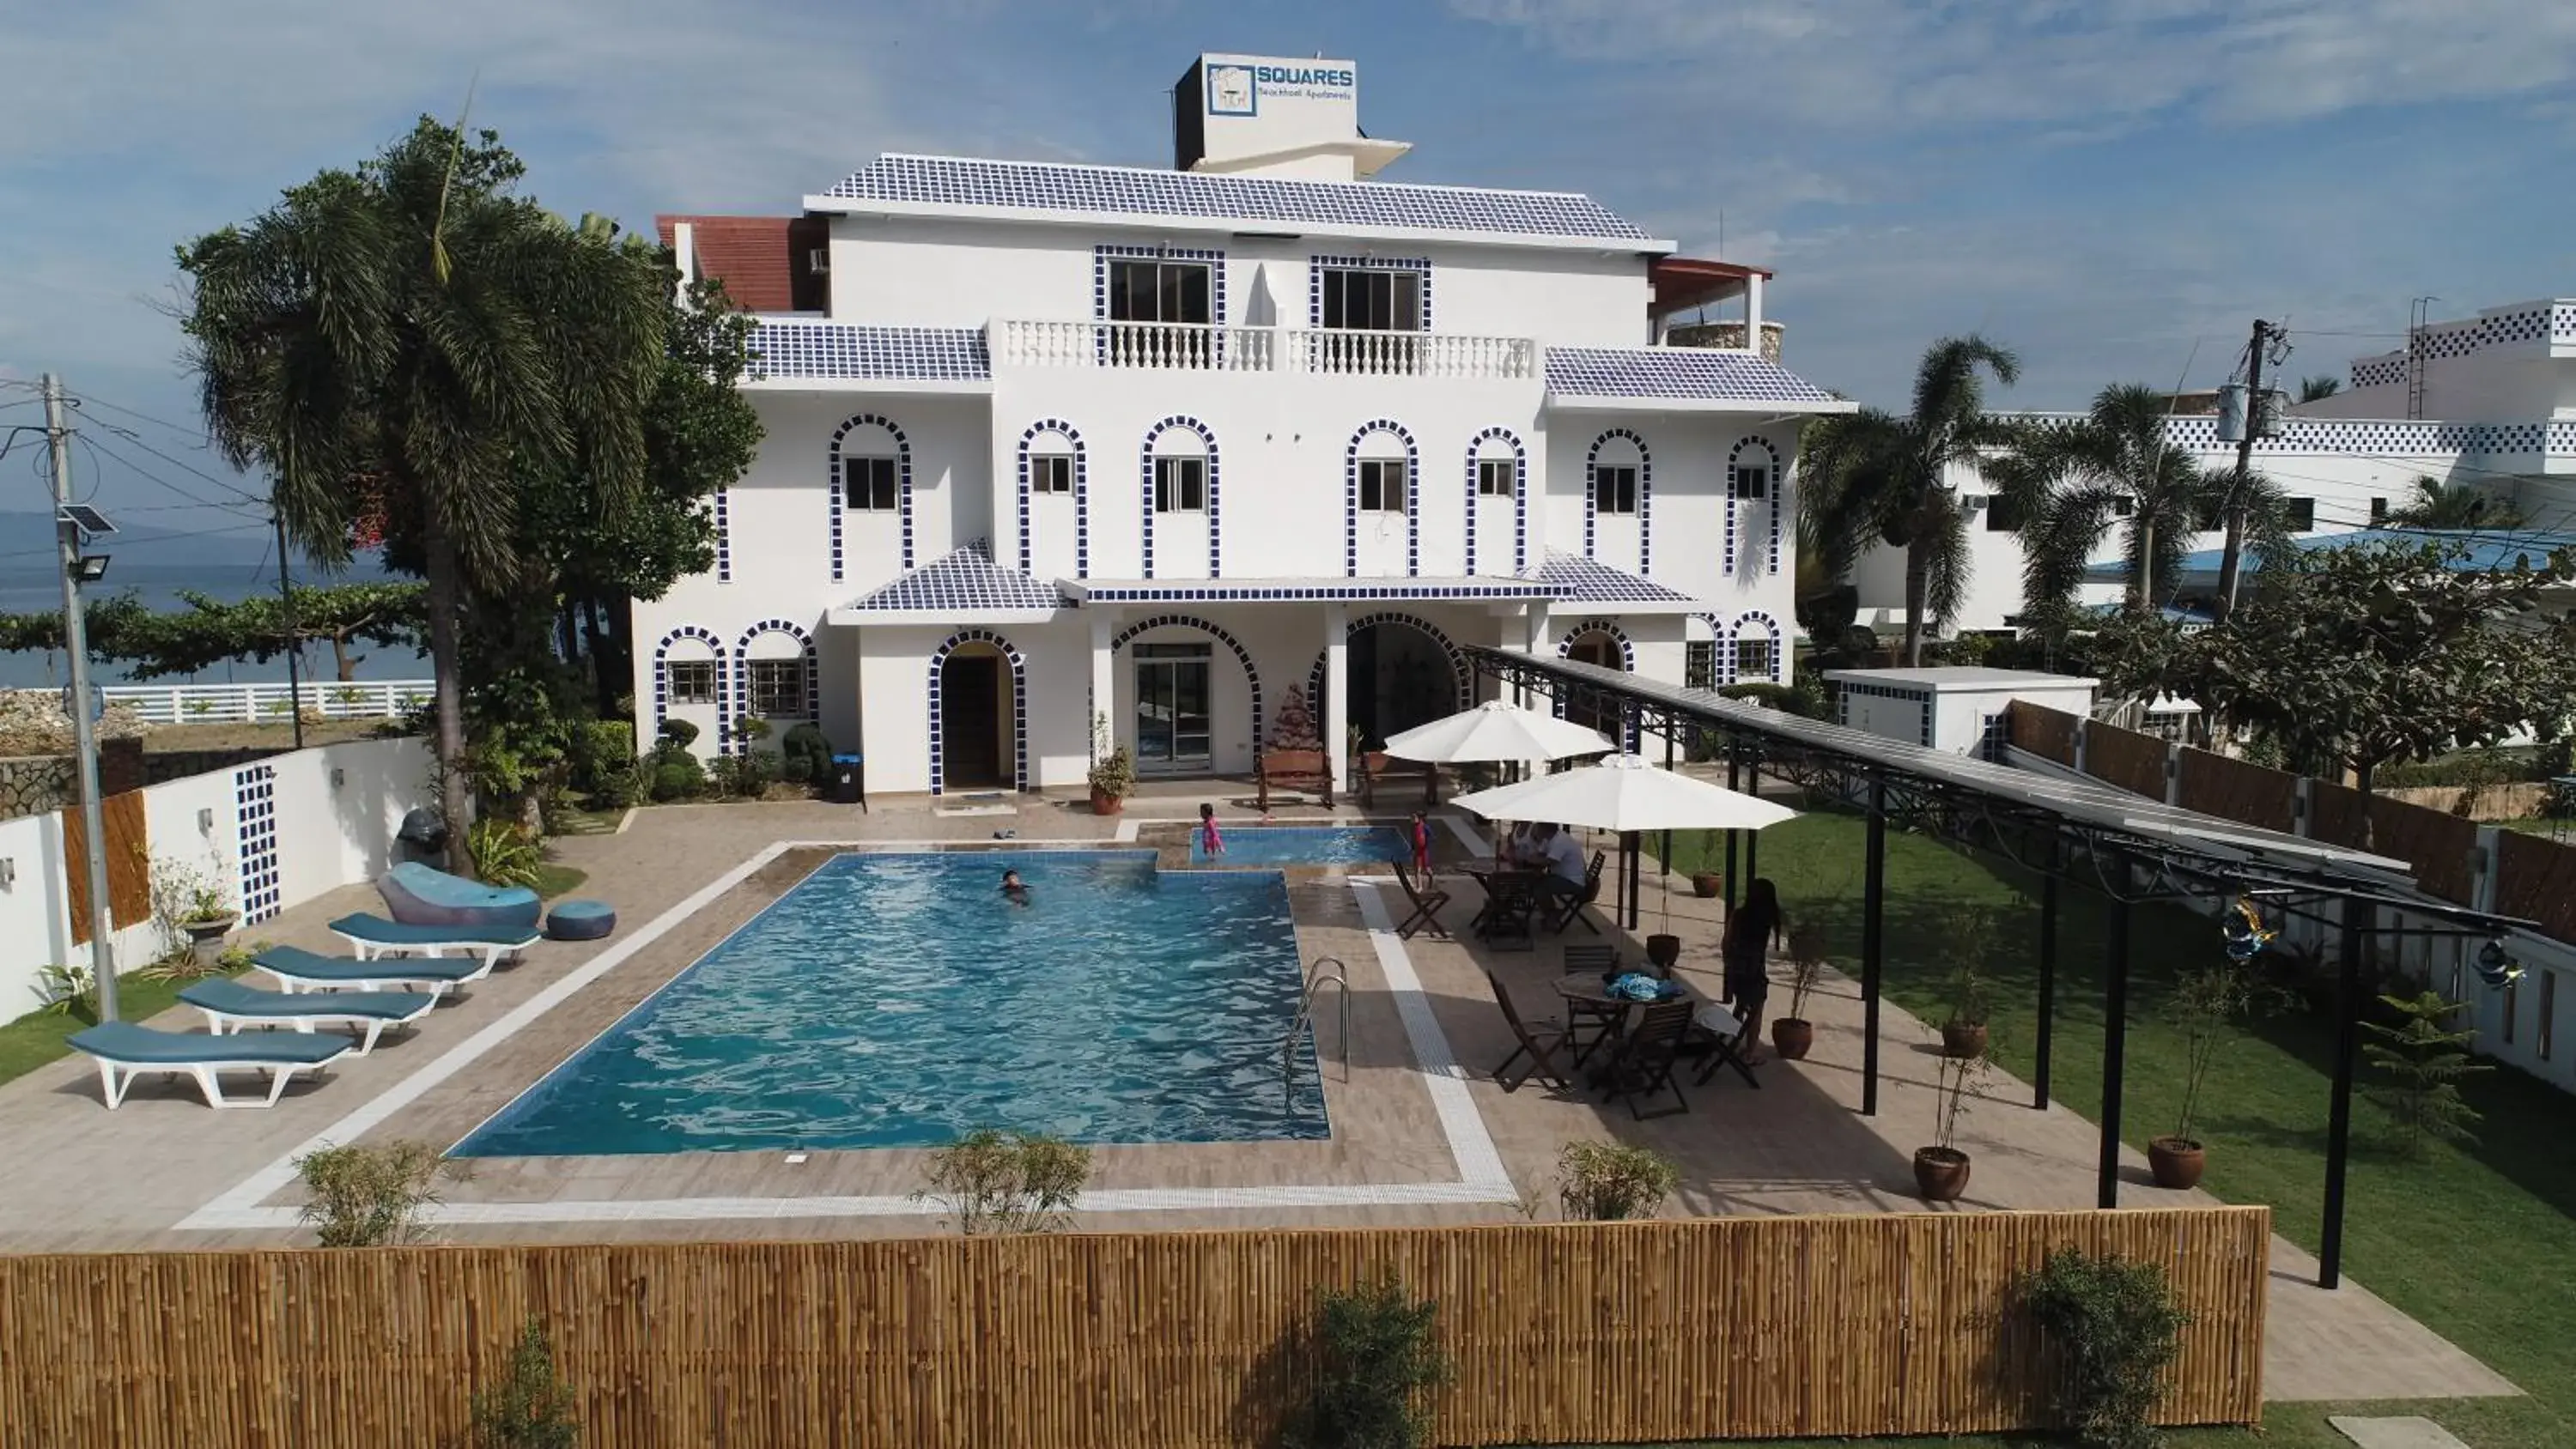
1179	347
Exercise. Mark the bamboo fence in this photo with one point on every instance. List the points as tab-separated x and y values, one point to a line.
1559	1333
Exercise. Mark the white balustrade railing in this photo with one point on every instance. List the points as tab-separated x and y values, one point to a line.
269	703
1167	346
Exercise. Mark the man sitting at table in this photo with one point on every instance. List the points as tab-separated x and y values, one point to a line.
1564	858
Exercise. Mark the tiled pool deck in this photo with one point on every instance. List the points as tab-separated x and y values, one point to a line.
1416	1140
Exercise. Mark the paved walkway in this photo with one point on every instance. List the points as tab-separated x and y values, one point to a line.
85	1180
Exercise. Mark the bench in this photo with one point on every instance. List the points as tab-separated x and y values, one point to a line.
1308	770
1376	765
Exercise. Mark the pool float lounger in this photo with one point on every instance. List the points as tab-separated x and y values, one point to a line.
416	895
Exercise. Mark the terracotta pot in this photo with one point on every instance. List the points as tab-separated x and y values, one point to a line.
1707	885
1941	1173
1663	951
1103	803
1791	1038
1960	1039
2175	1161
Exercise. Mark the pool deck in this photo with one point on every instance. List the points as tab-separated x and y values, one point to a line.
1411	1145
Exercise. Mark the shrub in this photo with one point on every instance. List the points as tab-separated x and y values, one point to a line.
530	1408
676	737
67	989
1376	1350
602	749
503	852
2110	1327
1007	1182
678	778
370	1197
805	755
1607	1182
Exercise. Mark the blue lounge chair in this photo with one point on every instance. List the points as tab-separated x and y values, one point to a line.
417	895
373	936
229	1006
297	970
125	1051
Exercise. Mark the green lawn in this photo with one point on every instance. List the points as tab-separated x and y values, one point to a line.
37	1038
557	880
2479	1243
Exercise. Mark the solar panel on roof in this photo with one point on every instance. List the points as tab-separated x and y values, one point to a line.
1675	372
955	181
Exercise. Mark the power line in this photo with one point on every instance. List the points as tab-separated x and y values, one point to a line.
147	474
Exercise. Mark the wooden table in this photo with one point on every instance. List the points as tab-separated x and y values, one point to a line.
1511	898
1587	994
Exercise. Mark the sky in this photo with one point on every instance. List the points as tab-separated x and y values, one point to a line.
2113	188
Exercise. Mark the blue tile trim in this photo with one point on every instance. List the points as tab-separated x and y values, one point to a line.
1645	498
1779	652
1520	496
724	536
1101	256
1458	668
255	820
902	484
1019	706
1351	497
1251	675
1771	461
1207	436
662	682
742	673
1081	493
1316	267
1627	651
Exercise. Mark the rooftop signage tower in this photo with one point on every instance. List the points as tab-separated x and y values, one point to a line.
1272	116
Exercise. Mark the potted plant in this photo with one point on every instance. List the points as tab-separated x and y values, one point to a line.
1966	939
193	912
2204	1002
1793	1035
1941	1170
205	918
1113	770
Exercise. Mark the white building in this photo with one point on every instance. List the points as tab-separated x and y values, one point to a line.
1049	440
2488	401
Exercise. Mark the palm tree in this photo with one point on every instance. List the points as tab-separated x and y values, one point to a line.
2454	505
410	336
2319	388
1871	477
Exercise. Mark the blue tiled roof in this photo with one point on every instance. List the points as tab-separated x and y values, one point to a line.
786	351
1137	191
1303	590
1573	578
1675	372
963	582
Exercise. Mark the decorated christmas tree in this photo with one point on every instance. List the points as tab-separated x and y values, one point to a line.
1294	728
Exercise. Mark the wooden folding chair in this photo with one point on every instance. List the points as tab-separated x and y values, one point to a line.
1605	1016
1572	910
1644	1067
1539	1041
1426	905
1724	1030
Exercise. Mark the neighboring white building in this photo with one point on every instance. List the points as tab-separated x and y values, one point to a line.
1045	440
1957	708
2488	400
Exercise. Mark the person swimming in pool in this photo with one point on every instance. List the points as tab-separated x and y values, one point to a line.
1014	889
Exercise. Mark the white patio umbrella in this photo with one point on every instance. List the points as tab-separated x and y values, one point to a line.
1626	794
1495	732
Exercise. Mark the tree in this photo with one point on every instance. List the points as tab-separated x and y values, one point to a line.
413	338
210	631
2319	388
2454	506
2425	1061
1873	477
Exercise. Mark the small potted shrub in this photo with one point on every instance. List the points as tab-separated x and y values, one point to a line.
1966	939
1793	1035
1708	885
1605	1182
2204	1002
206	919
1941	1170
195	916
1113	770
2108	1329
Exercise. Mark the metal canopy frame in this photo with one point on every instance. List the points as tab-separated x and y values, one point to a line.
2096	836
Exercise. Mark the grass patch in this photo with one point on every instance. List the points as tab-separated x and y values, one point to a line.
2473	1241
554	880
38	1037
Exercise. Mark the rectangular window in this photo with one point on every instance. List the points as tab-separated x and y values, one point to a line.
1699	665
1495	477
2379	510
693	681
2002	515
870	482
1180	485
1752	661
1153	290
2124	505
777	688
1753	482
1050	473
1614	490
1376	299
1382	486
2302	513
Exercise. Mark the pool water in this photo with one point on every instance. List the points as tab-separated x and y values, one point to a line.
1277	845
902	1001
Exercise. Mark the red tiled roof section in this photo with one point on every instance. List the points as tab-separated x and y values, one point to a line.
764	261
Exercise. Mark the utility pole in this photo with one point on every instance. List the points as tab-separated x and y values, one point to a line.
67	534
294	646
2230	562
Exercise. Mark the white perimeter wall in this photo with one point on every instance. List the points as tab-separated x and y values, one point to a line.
327	836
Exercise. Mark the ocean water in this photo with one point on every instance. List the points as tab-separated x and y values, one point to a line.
903	1001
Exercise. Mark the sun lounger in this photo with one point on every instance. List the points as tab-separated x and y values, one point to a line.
373	936
230	1006
125	1051
419	895
297	970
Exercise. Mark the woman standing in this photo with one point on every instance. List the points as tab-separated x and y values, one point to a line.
1751	930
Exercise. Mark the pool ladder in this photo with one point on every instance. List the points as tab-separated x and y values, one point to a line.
1325	971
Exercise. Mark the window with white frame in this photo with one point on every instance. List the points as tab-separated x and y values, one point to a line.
1614	488
777	687
870	482
692	681
1752	480
1497	477
1381	485
1753	655
1699	664
1180	485
1050	472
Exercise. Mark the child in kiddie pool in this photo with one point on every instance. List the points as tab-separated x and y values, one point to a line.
1211	839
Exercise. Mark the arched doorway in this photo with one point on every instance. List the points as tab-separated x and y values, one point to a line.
976	709
1599	647
1403	673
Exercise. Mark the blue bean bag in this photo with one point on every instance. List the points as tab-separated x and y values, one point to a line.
416	895
581	920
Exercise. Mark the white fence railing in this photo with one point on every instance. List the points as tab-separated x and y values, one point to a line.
269	703
1165	346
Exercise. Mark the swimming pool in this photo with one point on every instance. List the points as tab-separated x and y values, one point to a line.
900	1001
1277	845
